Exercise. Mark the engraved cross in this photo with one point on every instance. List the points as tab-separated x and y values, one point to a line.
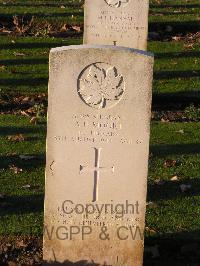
96	169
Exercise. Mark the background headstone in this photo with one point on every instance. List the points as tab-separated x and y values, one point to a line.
116	22
97	154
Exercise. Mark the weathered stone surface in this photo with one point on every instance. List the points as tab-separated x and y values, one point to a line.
97	154
115	22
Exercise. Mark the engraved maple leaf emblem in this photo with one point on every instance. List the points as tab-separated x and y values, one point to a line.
117	3
101	86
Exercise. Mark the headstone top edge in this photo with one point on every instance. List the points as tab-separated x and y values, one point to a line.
106	47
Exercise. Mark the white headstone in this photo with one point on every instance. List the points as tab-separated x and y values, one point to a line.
116	22
97	154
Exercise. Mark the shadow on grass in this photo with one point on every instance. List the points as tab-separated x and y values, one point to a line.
21	204
175	100
43	15
24	61
179	249
158	75
37	161
175	6
168	13
171	190
10	130
35	45
24	81
178	55
175	149
32	4
12	4
181	27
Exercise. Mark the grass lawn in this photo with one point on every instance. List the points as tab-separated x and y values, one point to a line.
24	61
23	205
177	212
71	11
174	150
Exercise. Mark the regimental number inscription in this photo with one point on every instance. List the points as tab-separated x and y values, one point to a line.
117	3
101	86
